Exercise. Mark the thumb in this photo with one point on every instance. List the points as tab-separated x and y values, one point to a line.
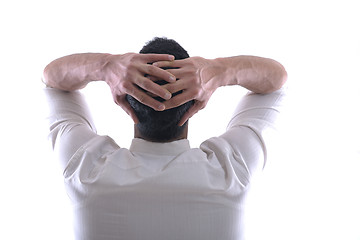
121	101
191	112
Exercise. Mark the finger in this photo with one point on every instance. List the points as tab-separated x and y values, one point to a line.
145	99
191	112
121	101
130	111
184	118
158	73
152	87
151	58
176	86
179	72
178	100
168	64
154	79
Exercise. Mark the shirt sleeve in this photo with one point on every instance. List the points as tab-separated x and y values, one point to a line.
70	122
248	133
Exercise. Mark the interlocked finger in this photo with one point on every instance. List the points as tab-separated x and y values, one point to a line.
149	86
142	97
177	100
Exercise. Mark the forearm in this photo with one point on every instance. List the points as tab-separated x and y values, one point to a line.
75	71
257	74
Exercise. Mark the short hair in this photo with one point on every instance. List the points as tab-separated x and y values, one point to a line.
161	126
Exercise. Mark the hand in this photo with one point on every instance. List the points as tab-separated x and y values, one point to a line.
126	73
197	78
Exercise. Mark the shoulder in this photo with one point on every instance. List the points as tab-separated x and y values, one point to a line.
91	155
240	152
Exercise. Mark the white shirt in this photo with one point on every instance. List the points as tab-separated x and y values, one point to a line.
159	191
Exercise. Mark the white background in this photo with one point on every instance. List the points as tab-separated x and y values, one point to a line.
310	188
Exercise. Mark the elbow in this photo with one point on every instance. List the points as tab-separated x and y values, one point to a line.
276	80
281	79
53	79
283	76
46	77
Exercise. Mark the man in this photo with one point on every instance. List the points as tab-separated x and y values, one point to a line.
160	188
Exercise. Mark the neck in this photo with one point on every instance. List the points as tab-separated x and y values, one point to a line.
184	135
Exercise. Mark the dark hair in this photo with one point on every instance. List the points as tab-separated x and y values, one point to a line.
161	126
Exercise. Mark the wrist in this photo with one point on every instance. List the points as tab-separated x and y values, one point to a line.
106	71
114	67
220	72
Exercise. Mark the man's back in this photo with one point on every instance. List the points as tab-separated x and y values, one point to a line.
150	193
160	190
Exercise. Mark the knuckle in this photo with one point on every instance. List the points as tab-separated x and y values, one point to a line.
171	87
124	85
131	56
131	68
152	70
146	85
141	98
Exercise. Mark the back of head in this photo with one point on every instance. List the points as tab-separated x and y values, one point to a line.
160	126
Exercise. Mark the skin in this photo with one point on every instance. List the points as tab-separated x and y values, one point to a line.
184	134
123	73
199	78
196	76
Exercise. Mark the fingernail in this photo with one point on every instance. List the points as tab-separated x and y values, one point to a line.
171	57
172	79
168	96
161	108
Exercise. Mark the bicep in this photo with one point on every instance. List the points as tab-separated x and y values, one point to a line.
67	139
70	122
249	150
254	123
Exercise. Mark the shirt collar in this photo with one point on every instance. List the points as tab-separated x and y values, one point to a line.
170	148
